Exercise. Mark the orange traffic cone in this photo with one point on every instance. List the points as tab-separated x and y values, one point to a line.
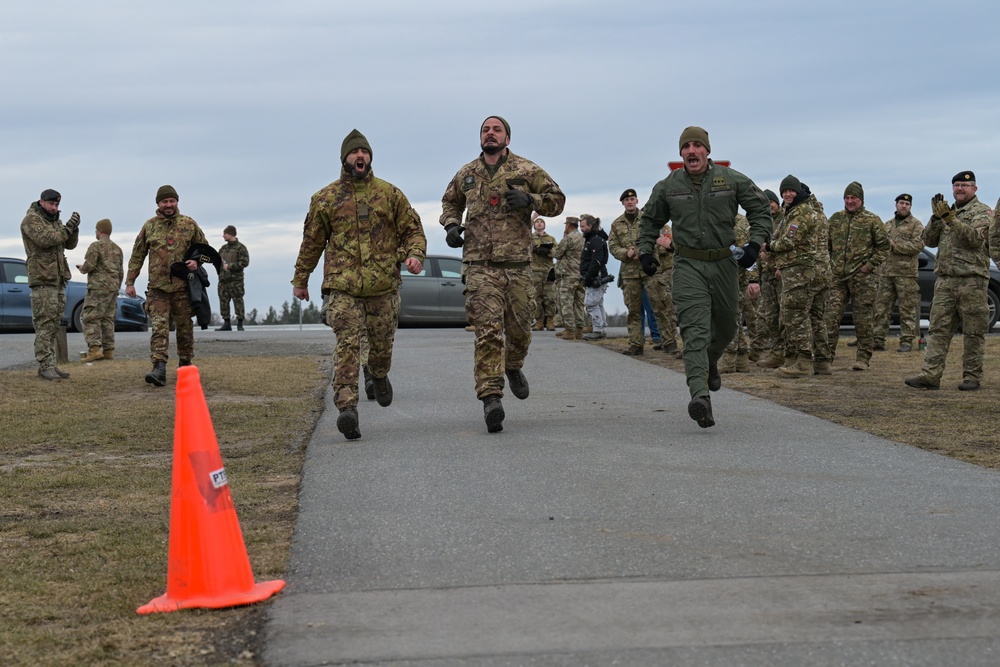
207	562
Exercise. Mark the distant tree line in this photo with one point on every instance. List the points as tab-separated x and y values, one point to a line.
289	314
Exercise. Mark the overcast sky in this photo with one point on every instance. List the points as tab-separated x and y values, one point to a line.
242	106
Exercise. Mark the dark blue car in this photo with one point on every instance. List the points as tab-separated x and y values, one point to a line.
15	302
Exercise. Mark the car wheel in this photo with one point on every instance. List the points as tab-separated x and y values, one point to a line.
77	322
993	298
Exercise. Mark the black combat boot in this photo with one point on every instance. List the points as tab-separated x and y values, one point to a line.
714	379
347	423
226	326
518	383
383	391
157	376
493	412
700	410
369	383
239	325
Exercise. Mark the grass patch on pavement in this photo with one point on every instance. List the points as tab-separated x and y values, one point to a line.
85	475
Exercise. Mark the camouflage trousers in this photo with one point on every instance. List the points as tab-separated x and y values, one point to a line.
958	300
500	304
803	314
99	307
355	320
906	290
744	316
860	289
767	335
545	298
48	304
571	292
707	298
160	306
231	291
658	299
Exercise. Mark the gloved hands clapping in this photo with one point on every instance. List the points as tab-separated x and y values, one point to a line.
649	264
73	223
750	253
941	209
454	236
518	199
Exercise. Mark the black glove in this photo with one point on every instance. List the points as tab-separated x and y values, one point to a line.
544	250
73	223
518	199
750	253
454	236
649	264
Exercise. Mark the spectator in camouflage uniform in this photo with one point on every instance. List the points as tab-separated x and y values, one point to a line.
571	290
45	241
235	258
622	241
542	245
737	356
898	277
798	261
963	236
367	228
858	246
166	238
702	199
767	342
497	193
104	266
822	352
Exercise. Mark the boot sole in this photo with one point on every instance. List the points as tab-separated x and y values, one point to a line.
347	424
701	413
494	419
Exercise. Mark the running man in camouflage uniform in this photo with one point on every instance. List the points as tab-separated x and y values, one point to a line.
542	245
963	236
45	239
898	277
166	238
104	266
571	290
622	239
497	193
367	228
235	258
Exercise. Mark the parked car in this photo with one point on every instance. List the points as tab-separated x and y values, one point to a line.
435	295
925	281
15	302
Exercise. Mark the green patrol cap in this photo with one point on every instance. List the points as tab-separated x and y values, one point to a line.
353	142
573	221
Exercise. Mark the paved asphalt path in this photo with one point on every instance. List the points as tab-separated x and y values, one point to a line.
602	526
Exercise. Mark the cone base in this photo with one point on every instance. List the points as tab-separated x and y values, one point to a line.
259	592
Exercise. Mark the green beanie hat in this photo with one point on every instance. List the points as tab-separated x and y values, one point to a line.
855	189
104	226
771	196
353	142
790	183
694	133
506	125
166	192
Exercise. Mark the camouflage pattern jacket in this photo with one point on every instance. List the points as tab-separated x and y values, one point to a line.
45	238
824	269
856	239
794	242
236	255
541	262
104	265
765	264
366	228
704	217
567	254
962	245
493	230
905	243
166	241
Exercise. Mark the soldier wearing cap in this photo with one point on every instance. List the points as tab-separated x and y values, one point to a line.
365	228
235	258
960	233
898	277
166	239
496	194
542	245
702	200
571	290
45	240
858	246
622	240
104	266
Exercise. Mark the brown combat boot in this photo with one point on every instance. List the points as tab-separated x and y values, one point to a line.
538	326
589	329
578	334
771	361
109	354
565	333
822	368
742	363
93	354
727	364
801	367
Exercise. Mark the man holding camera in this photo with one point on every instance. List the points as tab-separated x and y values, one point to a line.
45	241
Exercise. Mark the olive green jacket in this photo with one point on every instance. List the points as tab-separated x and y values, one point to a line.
45	238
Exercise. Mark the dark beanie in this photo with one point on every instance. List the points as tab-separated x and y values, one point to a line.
694	133
771	196
790	183
104	226
49	195
353	142
229	230
506	125
964	177
166	192
854	188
